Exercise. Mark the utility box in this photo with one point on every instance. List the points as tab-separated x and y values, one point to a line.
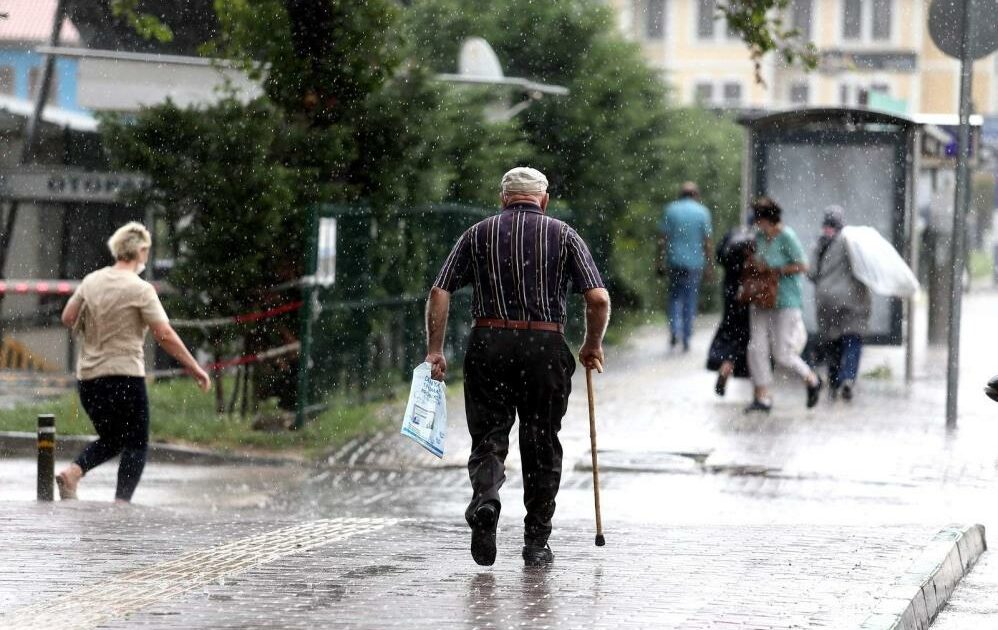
862	160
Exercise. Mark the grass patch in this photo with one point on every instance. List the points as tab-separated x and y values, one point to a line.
981	264
181	414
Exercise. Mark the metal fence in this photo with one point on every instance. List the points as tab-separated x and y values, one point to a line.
368	274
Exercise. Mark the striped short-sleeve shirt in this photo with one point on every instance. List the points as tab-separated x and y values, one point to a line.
520	263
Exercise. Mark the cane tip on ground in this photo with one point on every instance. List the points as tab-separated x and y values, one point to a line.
600	541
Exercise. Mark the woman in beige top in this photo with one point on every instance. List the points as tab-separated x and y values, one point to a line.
111	309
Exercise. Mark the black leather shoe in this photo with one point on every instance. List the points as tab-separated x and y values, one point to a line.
483	534
992	389
812	393
847	391
537	555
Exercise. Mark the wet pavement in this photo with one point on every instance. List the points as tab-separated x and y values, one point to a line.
799	519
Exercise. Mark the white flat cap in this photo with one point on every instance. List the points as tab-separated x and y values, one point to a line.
524	179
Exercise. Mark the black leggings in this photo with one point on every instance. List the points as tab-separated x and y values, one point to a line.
119	410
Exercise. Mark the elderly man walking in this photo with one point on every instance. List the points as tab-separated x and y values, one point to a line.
520	263
684	242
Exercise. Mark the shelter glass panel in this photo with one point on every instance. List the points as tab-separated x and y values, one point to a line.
807	175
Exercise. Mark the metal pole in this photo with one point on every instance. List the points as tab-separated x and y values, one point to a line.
46	457
308	292
959	221
913	164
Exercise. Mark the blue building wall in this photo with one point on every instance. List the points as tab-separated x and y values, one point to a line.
66	70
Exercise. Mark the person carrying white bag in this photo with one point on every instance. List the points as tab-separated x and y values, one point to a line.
848	264
521	263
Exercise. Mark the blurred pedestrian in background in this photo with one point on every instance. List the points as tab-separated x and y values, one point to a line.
778	333
842	304
684	254
521	263
111	309
728	350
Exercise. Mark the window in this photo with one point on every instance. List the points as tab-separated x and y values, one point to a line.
708	93
703	94
655	19
799	93
732	94
708	16
881	19
801	13
6	80
852	19
867	20
705	18
857	94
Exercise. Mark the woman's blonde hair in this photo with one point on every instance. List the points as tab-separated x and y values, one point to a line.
127	240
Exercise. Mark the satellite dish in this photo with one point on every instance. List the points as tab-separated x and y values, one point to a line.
478	60
479	65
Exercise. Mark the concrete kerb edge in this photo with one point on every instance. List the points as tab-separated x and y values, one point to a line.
915	599
24	444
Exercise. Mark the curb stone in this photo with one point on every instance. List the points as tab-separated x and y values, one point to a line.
25	444
915	599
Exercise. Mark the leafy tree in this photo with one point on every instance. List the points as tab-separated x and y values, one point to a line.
233	179
760	24
612	149
232	211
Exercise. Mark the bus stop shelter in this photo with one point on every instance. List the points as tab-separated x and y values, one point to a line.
862	160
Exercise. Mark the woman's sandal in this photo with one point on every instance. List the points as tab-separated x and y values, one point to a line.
721	385
67	490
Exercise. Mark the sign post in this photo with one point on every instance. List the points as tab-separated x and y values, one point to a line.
967	30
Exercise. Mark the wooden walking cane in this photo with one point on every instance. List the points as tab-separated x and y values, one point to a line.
600	541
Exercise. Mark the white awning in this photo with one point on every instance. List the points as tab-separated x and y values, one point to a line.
57	116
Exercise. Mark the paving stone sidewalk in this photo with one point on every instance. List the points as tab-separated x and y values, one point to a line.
142	567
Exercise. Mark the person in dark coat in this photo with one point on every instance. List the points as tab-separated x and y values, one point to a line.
842	304
727	355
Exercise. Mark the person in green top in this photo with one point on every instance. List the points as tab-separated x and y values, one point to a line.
778	334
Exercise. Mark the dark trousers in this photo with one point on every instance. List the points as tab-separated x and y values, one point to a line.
529	374
119	410
843	359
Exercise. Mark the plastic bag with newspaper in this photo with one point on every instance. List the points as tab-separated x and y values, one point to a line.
425	420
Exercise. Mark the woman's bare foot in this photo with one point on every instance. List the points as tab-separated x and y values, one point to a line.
67	481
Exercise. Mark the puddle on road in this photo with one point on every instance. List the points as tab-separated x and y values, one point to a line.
688	462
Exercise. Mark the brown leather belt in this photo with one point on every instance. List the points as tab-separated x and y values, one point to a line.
485	322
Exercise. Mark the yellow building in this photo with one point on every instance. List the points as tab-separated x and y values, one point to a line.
865	46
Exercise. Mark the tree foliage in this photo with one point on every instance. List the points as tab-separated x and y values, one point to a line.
761	25
613	150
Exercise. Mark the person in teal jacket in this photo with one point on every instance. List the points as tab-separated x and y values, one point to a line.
778	334
685	252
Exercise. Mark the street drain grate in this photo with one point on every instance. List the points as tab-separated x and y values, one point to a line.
131	592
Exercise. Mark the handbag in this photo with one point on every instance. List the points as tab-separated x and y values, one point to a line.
757	285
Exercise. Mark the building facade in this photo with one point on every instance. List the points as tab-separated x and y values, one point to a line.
872	52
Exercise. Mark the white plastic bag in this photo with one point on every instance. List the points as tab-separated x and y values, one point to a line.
425	420
877	264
